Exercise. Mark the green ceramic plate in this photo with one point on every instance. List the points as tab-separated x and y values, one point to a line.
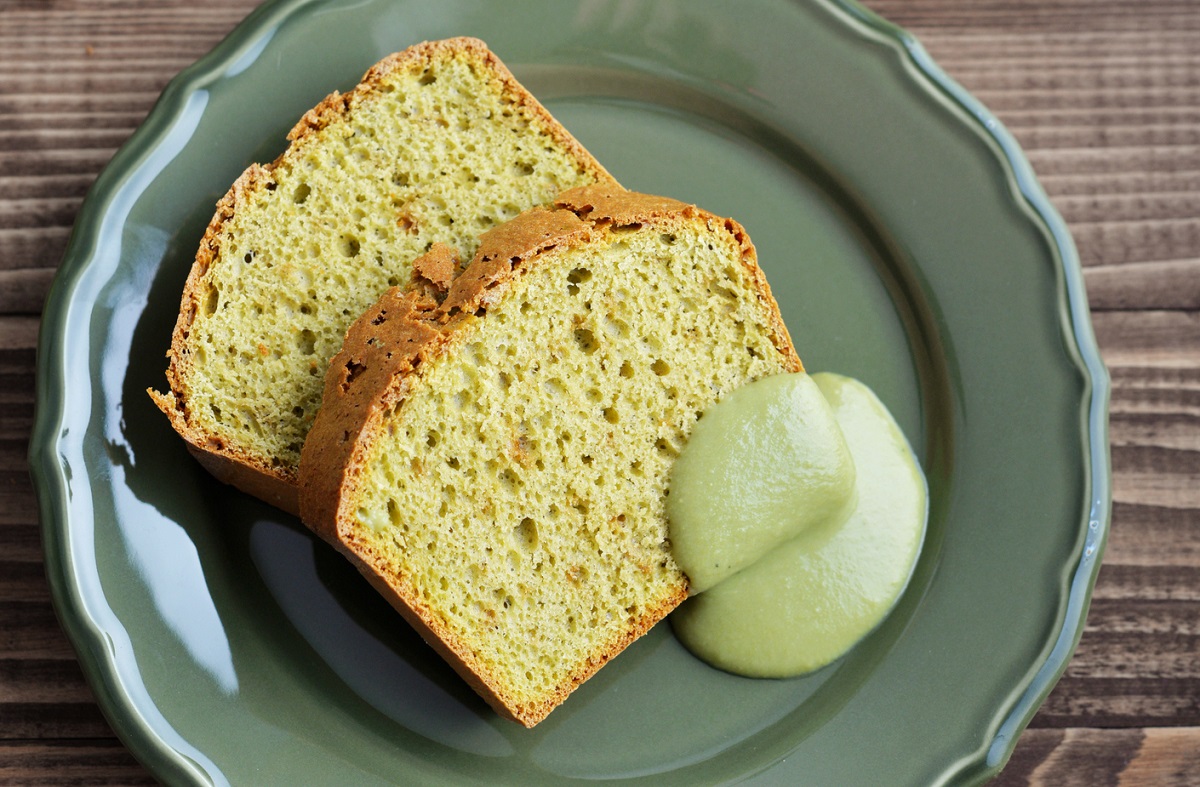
908	245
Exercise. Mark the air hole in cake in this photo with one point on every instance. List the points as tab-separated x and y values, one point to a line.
427	79
211	302
306	340
522	169
353	370
348	246
301	193
626	370
586	340
660	367
526	534
616	326
611	415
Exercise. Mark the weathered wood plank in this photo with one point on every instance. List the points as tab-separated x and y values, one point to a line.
1147	583
1142	240
45	186
30	631
1153	536
58	721
78	762
1149	338
21	541
1174	284
17	333
1083	209
24	291
1099	758
1120	702
1181	179
41	681
22	582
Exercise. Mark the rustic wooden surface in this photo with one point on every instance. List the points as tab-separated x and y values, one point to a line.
1103	94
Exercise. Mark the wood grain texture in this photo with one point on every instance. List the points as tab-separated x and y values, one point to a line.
1104	95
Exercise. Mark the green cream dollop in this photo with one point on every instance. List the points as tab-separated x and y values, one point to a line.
764	465
816	590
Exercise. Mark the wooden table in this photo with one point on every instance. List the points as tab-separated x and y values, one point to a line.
1103	95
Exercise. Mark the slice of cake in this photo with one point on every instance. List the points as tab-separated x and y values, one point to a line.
496	464
437	144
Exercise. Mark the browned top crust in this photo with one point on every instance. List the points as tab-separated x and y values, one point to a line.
434	271
385	348
611	204
276	483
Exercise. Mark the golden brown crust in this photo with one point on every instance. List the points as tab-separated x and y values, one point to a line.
434	271
609	203
370	374
506	247
382	360
278	484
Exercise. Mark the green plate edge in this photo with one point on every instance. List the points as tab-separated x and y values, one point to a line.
980	769
51	482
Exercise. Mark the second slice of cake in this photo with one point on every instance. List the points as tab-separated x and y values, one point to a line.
495	458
